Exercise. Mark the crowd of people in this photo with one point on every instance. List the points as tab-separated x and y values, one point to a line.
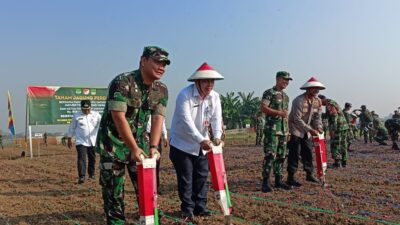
133	125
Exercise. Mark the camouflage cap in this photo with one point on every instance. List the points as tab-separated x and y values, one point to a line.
285	75
156	53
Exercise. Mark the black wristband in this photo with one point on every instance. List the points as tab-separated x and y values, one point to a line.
154	146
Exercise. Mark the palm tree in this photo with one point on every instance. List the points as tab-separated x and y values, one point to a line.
230	105
248	108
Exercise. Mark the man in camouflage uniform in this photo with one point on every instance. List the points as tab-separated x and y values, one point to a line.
396	114
375	120
260	121
325	124
381	133
393	127
365	123
349	118
122	137
338	127
274	104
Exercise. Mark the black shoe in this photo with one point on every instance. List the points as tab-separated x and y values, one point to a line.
336	164
292	182
81	180
266	186
187	218
344	163
311	178
280	184
204	213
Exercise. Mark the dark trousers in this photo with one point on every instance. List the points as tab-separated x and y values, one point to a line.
81	163
191	173
300	147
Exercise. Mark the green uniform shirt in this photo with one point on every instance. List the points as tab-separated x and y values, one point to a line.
278	100
127	93
381	131
336	118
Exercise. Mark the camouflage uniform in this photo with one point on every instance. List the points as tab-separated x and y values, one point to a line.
375	125
350	132
260	128
339	127
276	133
365	124
325	124
381	134
127	93
396	115
353	126
393	127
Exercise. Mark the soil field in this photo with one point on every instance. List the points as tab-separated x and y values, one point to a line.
44	190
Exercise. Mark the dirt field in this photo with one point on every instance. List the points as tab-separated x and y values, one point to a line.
44	190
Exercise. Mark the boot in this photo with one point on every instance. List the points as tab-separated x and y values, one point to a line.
336	164
266	186
344	163
291	181
280	184
310	177
348	148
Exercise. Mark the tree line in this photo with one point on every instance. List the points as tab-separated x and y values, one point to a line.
239	109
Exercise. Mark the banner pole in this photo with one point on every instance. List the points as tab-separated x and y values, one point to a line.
30	140
38	149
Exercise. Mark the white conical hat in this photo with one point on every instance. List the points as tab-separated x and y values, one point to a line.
205	71
313	83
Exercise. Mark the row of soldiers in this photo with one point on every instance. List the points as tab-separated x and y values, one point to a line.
289	135
370	126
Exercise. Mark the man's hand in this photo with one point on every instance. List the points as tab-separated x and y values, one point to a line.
217	141
205	145
166	142
154	151
332	134
135	155
314	132
283	114
69	143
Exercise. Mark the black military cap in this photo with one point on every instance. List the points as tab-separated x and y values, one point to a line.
86	104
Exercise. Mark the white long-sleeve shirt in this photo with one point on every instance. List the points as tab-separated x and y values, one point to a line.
84	128
192	117
164	129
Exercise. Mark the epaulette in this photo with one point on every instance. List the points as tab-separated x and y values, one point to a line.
160	84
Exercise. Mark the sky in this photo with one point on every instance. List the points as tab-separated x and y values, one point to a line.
351	46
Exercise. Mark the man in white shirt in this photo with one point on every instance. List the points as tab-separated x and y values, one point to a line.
198	108
84	127
163	143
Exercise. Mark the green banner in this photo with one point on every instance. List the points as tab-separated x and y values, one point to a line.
49	105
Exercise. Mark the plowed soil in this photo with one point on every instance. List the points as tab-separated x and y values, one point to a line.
44	190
